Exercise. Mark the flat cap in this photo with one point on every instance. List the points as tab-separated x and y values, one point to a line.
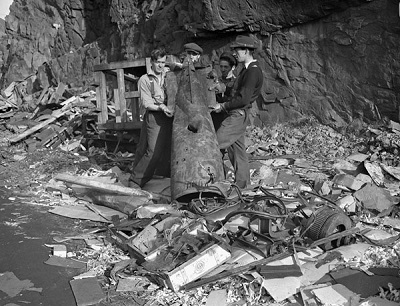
193	47
228	57
243	41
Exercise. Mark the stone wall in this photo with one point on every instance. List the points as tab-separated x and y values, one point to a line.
335	59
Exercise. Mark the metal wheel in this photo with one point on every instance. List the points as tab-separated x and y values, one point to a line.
321	215
336	223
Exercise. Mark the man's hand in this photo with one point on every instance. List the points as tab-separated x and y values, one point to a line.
217	87
217	108
212	75
166	110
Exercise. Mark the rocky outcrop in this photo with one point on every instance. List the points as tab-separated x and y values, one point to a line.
335	59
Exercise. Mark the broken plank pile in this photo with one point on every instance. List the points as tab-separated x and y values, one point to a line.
49	118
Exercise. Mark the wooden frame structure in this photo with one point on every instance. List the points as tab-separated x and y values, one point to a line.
126	73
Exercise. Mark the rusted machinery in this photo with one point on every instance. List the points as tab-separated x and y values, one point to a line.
196	161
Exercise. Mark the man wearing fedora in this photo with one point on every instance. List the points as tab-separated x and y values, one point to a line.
247	88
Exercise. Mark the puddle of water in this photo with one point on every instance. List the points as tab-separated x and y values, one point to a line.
24	229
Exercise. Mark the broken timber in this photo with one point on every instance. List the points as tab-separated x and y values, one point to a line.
54	116
112	188
126	90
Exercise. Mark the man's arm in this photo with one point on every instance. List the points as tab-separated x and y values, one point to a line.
146	98
246	93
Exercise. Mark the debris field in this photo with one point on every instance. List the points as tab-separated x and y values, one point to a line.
318	226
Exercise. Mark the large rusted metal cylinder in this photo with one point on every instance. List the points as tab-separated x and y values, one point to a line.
196	160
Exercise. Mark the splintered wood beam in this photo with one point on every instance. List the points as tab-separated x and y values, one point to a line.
121	94
111	188
120	65
127	77
117	106
101	97
54	116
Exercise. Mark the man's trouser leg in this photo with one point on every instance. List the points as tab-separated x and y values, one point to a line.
231	137
141	147
158	134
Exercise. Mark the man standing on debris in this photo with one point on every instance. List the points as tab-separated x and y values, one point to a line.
231	134
155	136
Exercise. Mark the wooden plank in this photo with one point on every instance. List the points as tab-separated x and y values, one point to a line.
107	187
101	98
127	77
117	106
111	125
135	107
57	94
121	95
131	94
44	91
10	89
55	115
135	110
120	65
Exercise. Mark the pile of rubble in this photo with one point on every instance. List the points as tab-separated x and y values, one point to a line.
50	118
305	233
318	226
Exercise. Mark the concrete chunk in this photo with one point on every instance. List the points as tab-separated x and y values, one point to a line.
373	197
348	181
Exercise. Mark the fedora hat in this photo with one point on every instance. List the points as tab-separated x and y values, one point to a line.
243	41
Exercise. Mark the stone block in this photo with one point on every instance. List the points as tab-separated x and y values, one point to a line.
364	178
374	197
358	157
348	181
344	166
347	203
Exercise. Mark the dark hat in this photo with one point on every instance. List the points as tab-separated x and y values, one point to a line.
243	41
193	47
228	57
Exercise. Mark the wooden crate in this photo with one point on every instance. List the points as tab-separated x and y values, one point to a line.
125	99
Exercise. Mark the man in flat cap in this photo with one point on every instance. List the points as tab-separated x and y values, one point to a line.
247	88
194	51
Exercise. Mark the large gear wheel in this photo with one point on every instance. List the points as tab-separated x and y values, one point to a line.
338	222
326	222
317	221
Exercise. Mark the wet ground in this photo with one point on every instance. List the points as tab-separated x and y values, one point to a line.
24	231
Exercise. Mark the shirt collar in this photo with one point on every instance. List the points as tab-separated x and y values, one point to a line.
230	75
151	72
248	64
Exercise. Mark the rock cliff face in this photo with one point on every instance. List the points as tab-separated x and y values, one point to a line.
336	59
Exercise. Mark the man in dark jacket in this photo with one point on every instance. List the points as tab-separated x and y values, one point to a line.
231	134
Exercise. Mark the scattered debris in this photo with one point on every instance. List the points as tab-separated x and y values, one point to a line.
319	222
